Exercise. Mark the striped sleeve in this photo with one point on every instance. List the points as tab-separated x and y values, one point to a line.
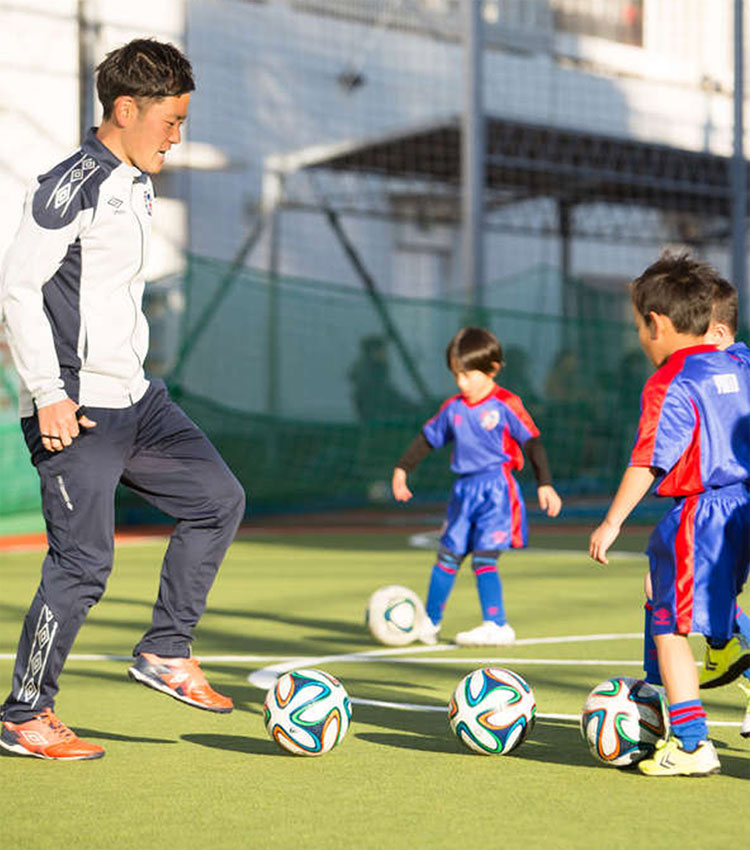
667	423
520	424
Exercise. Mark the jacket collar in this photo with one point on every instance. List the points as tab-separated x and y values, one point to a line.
104	156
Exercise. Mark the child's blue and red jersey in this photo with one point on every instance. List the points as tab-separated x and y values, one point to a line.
695	429
740	351
486	512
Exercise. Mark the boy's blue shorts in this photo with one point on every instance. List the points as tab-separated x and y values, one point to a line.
699	555
486	514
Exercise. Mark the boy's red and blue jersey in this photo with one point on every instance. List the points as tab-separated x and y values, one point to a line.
695	429
695	421
486	511
487	434
739	351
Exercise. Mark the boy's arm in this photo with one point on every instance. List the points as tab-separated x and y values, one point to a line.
549	500
636	482
415	453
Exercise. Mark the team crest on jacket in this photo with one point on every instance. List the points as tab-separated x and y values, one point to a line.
489	419
149	202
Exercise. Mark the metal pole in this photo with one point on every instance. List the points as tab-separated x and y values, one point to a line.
86	38
473	150
372	290
739	172
204	320
274	244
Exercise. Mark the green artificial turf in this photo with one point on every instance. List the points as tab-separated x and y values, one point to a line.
174	776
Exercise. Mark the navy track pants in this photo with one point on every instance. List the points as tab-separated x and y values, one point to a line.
154	449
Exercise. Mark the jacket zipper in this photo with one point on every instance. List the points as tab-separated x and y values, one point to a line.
140	269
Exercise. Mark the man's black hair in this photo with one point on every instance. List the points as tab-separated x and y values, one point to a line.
144	69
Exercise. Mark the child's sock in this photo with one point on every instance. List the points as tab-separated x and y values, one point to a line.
688	722
442	580
742	623
650	660
742	626
489	586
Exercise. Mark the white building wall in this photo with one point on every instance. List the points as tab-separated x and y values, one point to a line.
39	98
267	78
274	89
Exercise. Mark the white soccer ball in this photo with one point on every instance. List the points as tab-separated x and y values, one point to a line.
307	712
394	615
622	719
492	710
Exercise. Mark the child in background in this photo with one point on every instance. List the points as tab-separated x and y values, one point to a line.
694	439
488	426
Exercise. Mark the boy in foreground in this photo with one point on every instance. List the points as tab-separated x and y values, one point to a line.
694	440
723	659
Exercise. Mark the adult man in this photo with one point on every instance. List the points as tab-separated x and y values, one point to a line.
72	285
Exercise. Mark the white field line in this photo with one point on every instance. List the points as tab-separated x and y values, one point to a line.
411	706
359	656
266	676
430	540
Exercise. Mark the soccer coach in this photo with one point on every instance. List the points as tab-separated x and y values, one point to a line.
71	288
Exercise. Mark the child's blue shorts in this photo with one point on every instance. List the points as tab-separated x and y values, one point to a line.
699	555
486	513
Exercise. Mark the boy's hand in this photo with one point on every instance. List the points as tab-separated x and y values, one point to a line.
549	501
400	491
601	539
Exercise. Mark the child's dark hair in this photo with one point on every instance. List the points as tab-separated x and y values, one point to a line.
725	305
679	287
474	348
143	68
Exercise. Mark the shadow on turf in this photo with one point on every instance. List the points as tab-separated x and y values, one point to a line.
114	736
446	744
237	744
557	741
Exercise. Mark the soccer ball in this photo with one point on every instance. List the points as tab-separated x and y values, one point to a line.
394	615
307	712
622	719
492	710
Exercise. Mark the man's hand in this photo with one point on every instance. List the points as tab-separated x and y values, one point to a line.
549	501
601	539
400	491
59	424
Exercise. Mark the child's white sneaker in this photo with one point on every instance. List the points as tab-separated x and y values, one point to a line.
488	634
428	632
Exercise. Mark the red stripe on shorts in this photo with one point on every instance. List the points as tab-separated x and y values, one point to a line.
516	531
685	564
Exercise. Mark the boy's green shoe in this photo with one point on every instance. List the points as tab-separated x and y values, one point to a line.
744	685
722	666
669	759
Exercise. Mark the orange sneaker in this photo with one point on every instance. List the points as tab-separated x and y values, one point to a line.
46	737
181	678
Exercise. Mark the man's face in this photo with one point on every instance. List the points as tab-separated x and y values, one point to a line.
152	129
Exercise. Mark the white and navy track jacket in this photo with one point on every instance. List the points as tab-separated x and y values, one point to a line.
72	283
